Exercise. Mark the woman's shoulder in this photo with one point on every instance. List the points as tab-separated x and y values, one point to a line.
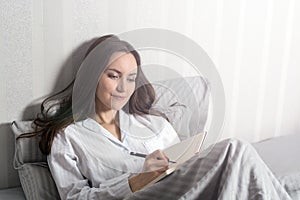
142	117
67	136
68	130
154	122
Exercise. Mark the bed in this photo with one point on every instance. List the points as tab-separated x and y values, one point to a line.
280	154
284	165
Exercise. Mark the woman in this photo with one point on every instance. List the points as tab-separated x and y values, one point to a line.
105	114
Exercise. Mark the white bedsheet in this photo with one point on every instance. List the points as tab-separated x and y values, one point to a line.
286	164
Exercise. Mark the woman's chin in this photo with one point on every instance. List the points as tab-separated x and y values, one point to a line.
117	107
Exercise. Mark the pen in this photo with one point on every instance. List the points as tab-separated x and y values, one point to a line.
144	156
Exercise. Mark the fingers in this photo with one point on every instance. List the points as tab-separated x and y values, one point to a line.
155	166
159	155
156	161
166	156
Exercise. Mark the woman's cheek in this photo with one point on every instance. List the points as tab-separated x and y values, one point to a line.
132	89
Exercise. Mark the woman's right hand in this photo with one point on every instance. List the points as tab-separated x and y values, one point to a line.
156	161
155	164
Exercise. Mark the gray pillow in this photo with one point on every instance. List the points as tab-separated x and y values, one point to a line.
37	182
26	149
185	101
35	177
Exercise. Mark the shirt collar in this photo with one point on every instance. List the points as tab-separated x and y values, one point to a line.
131	125
95	127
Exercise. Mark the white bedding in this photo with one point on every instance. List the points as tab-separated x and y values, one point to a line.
286	164
232	170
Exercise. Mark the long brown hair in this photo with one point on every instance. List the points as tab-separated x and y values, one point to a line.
57	111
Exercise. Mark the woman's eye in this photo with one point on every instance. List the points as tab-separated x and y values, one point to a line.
112	76
131	79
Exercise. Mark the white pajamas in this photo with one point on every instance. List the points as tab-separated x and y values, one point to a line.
87	162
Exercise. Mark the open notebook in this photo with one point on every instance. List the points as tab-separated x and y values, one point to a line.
180	153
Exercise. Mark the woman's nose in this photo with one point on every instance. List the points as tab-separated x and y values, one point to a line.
121	87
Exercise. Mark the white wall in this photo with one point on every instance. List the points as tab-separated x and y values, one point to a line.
254	45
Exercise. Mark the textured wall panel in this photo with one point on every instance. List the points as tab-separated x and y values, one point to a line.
16	77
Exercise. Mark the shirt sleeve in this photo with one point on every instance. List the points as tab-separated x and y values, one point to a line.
70	182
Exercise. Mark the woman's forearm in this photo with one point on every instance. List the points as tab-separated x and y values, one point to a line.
140	180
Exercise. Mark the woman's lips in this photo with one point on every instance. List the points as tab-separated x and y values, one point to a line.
117	97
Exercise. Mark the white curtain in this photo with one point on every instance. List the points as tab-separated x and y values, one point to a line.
254	45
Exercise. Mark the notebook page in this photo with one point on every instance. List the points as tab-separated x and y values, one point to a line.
185	149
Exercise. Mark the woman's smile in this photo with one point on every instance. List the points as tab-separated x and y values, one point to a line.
117	82
119	97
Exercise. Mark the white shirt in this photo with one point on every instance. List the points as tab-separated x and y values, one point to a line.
88	162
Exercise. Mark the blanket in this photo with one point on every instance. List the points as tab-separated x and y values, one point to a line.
231	170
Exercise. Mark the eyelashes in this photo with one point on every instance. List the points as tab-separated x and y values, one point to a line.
112	76
115	77
131	79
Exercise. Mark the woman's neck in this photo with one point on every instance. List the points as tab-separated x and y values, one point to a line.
106	117
110	121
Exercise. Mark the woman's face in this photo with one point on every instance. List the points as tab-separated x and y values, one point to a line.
117	82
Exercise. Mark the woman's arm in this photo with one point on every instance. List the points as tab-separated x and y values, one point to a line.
139	181
79	178
71	184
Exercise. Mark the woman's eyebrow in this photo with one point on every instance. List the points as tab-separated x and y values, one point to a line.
131	74
115	70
